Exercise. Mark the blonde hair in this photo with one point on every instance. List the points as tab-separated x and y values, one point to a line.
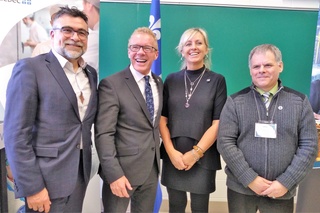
145	30
187	35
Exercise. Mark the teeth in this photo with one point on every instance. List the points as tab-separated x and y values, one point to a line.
142	61
194	54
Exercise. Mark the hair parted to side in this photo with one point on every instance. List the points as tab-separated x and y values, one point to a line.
263	48
145	30
187	35
73	12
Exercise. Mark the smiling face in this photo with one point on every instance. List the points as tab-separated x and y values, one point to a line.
265	70
70	47
194	51
141	60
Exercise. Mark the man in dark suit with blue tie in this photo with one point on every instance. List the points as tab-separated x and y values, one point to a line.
127	129
50	108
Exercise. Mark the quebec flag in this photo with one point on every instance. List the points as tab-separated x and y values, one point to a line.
155	26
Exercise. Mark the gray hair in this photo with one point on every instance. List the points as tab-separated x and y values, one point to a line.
263	48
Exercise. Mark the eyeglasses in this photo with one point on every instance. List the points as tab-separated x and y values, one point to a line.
146	49
69	32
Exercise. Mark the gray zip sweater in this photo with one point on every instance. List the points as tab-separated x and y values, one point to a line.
287	158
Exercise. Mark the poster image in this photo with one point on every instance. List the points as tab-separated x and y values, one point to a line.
25	32
315	87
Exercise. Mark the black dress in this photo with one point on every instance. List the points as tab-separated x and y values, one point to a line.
187	126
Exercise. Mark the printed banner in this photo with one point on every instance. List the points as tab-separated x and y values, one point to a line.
15	33
315	87
25	32
1	135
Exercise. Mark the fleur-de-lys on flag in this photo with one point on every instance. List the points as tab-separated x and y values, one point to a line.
155	26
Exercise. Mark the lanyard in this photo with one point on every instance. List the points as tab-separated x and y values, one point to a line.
274	109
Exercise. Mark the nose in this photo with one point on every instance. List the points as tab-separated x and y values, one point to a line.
141	50
193	45
261	68
75	37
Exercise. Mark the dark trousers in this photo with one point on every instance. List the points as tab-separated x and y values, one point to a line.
72	203
178	201
142	197
240	203
309	193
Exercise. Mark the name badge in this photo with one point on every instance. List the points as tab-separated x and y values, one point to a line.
265	130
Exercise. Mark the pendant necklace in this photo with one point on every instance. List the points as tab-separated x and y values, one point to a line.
188	94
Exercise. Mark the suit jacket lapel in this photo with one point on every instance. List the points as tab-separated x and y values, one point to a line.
93	87
59	74
133	86
160	89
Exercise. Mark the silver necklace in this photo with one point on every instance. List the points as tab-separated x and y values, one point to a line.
188	94
192	82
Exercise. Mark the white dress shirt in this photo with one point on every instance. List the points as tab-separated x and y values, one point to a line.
141	83
79	82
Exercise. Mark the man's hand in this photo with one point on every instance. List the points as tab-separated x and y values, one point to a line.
316	116
275	190
40	201
120	186
30	43
259	185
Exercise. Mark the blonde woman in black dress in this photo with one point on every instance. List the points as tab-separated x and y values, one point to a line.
193	100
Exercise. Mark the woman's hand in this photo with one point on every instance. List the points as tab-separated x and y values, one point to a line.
189	159
176	159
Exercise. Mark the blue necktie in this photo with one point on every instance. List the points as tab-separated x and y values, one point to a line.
149	97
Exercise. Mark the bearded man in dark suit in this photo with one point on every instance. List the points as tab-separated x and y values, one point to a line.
50	108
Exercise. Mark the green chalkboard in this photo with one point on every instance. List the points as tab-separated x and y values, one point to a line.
233	32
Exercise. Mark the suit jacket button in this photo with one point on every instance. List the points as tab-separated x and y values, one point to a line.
152	148
78	146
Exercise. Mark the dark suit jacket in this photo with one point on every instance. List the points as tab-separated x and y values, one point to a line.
42	127
127	142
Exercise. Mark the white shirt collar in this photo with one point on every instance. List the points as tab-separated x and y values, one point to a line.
137	75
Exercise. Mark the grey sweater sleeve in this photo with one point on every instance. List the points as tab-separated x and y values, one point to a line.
227	145
307	149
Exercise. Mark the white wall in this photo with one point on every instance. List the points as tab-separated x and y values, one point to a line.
278	4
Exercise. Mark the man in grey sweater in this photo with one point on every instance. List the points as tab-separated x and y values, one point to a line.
269	144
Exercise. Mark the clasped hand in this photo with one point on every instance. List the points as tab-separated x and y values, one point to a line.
264	187
182	161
